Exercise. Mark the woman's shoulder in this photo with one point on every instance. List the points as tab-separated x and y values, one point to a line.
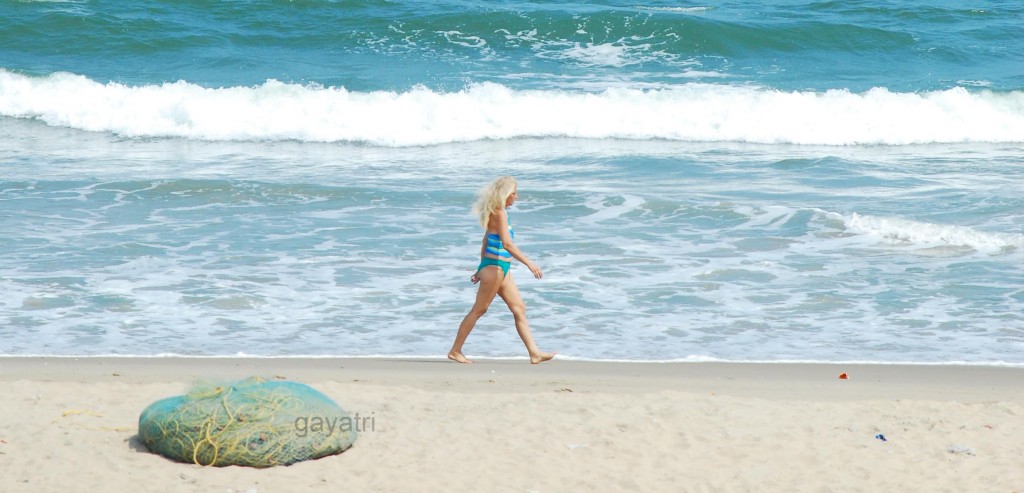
497	218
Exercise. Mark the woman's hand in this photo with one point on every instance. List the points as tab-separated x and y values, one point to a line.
475	278
535	269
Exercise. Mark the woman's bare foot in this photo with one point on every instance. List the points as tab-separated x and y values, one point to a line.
537	358
459	357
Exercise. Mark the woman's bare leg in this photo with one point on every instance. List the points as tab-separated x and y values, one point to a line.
491	278
509	292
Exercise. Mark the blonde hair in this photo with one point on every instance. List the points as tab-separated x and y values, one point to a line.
493	197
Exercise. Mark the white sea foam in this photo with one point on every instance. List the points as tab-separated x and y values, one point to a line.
420	116
915	234
622	53
464	40
678	10
612	55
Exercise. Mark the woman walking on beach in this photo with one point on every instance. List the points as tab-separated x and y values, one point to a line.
496	254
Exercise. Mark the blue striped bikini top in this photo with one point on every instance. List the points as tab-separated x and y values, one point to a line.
494	246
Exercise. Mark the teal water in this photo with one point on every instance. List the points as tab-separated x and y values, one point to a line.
744	181
395	45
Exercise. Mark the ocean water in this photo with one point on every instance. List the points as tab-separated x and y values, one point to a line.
784	180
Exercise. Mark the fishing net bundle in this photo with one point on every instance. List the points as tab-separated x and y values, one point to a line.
252	422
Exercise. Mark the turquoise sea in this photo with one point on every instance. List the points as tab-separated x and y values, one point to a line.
782	180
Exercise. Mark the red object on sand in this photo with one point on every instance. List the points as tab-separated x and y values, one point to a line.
842	376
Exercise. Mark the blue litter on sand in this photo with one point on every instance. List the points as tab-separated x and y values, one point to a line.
881	437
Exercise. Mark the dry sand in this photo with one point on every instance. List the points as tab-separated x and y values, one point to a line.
69	425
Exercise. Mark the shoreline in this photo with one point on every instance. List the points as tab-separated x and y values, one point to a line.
71	423
763	380
561	358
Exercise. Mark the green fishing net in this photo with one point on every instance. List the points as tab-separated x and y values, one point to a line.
252	422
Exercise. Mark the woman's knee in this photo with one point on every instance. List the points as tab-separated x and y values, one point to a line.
482	304
518	309
478	310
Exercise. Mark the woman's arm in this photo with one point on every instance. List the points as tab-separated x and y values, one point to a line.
475	278
501	217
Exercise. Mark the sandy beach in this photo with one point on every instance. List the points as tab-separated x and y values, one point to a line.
70	424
